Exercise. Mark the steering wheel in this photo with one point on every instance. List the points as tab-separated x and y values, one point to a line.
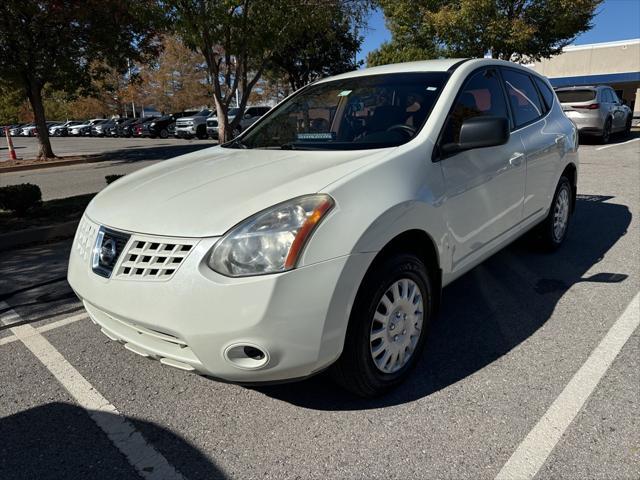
401	127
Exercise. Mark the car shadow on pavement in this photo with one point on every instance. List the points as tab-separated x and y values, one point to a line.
490	310
158	152
615	138
59	440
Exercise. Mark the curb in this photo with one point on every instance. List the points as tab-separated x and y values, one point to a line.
23	238
38	166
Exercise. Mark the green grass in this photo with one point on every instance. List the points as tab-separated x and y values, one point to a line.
49	213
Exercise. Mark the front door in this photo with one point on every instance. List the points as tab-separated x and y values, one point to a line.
484	187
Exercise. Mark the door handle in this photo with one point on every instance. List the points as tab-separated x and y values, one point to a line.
516	160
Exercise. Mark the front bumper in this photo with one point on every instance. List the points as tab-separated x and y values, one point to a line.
185	132
190	321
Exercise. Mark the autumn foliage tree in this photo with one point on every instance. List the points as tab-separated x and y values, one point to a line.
240	39
56	42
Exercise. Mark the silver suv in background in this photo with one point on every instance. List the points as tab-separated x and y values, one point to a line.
596	111
251	115
193	126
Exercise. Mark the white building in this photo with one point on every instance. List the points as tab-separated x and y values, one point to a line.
611	63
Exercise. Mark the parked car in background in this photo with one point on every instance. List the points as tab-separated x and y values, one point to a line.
98	129
109	129
162	126
124	129
251	115
137	130
193	126
323	235
597	111
62	129
15	130
28	131
84	129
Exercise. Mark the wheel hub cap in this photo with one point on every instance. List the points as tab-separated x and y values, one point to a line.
561	214
396	326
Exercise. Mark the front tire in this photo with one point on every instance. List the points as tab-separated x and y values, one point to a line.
387	328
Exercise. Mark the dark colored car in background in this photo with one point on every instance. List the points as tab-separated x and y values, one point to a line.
164	126
125	129
136	131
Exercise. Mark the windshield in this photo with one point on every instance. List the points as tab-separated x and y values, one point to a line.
568	96
203	113
356	113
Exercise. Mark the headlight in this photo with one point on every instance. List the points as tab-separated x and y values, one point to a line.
270	241
153	124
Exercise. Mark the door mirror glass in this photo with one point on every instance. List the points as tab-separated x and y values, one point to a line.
480	132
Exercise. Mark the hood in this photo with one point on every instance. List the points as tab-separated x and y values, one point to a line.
205	193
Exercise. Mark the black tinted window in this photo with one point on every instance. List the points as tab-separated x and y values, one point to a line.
583	95
524	100
547	93
481	95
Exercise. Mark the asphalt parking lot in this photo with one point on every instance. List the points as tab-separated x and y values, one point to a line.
513	337
118	156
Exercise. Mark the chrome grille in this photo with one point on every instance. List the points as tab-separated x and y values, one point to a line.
153	258
85	237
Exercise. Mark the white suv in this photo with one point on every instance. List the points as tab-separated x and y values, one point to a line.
322	236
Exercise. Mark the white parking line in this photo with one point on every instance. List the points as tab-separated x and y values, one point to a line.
542	439
147	461
47	327
618	144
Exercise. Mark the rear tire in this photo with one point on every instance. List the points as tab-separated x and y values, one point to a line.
553	231
387	328
606	132
627	126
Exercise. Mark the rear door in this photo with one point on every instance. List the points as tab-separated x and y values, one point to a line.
484	186
543	139
617	110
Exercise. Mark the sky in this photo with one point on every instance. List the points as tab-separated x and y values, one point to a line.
615	20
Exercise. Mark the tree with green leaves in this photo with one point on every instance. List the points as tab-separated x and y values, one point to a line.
240	40
58	42
516	30
325	44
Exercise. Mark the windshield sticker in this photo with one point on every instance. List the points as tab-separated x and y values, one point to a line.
317	136
432	89
344	93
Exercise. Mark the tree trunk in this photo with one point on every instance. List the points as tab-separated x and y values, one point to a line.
34	93
224	130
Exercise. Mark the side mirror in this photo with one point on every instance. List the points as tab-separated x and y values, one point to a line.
479	132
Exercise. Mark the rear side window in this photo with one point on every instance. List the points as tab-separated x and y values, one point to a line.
523	97
569	96
545	91
481	95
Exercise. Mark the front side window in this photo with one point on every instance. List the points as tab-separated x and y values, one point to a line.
481	96
524	100
376	111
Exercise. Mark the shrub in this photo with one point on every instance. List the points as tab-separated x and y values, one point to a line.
112	178
20	198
